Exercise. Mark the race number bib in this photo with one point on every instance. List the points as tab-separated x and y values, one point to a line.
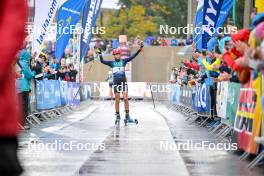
118	69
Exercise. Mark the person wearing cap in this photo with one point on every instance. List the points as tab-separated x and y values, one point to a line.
119	77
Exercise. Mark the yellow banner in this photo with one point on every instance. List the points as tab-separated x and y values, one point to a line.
259	5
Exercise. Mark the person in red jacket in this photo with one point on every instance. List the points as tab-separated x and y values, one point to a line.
12	25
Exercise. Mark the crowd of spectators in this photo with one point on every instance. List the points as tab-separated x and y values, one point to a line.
236	58
161	41
30	68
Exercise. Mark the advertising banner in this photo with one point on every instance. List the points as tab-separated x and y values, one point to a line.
221	99
91	11
53	93
202	98
68	16
248	117
48	94
232	101
44	15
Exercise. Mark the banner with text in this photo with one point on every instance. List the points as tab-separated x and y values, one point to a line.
248	117
91	11
68	16
44	15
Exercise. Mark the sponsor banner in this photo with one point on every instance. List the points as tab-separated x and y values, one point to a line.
91	11
44	15
186	96
74	93
248	117
53	93
232	101
260	6
86	92
224	13
201	99
207	19
68	16
211	13
221	99
262	105
198	24
175	94
48	94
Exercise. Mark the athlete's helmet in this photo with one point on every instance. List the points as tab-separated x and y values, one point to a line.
116	51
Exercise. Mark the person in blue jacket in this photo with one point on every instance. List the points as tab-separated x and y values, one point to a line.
24	82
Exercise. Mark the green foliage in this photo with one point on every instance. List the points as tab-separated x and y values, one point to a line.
143	17
131	22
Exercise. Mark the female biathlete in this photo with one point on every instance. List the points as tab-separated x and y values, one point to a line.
119	79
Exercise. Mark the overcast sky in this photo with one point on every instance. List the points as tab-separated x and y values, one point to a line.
112	4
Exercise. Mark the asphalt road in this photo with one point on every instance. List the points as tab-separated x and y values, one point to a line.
87	143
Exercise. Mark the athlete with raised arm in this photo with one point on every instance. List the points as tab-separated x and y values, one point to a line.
119	79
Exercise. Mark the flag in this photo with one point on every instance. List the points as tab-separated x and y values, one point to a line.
198	25
91	11
68	16
224	13
44	15
211	13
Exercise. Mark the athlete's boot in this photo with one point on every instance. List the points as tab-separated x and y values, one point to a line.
117	121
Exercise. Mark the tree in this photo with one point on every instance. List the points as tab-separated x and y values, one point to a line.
131	22
163	12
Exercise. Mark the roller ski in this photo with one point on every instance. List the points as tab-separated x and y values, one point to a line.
117	121
129	120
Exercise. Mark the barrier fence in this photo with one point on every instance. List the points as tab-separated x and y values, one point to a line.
52	98
238	108
49	94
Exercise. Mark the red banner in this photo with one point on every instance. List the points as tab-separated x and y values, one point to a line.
248	117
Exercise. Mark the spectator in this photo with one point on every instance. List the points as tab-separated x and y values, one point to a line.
189	40
66	73
24	83
53	68
73	73
61	73
174	42
38	67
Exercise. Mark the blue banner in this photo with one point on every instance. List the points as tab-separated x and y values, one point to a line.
68	16
48	94
211	13
74	93
198	25
175	93
53	93
224	13
201	98
91	11
86	92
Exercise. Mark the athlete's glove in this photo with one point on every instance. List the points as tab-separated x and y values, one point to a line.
98	51
141	45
